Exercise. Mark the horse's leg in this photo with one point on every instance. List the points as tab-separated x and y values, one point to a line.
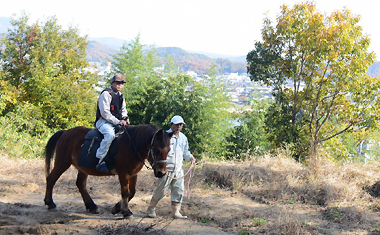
82	186
117	208
132	187
132	190
52	178
124	188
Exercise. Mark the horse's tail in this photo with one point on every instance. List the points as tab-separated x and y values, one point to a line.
49	150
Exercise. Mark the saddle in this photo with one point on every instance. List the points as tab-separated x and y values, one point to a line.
87	157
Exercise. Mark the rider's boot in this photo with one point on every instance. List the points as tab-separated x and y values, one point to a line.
102	166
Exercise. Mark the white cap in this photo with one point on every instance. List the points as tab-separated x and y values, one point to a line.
177	119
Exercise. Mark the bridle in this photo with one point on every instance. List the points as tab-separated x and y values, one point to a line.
150	152
153	156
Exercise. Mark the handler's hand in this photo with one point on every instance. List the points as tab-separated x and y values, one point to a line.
193	160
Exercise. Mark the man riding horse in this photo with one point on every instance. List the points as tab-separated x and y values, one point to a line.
137	144
111	111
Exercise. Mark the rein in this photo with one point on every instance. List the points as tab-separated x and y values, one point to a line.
191	176
151	143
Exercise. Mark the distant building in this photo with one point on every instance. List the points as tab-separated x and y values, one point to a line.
108	67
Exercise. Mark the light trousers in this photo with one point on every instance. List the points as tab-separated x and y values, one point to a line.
108	130
177	187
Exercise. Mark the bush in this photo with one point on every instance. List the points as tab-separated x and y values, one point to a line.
250	138
17	138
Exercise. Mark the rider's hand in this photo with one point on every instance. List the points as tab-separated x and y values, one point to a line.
193	160
123	122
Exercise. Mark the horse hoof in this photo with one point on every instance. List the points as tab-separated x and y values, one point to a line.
91	207
95	211
128	214
116	209
129	217
53	209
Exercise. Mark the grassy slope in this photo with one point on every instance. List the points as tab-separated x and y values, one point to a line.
267	194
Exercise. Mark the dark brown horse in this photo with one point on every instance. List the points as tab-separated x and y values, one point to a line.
138	143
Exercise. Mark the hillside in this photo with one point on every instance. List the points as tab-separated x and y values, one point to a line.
111	42
199	63
263	195
97	52
216	56
102	49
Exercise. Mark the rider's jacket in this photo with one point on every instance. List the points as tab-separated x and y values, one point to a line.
115	105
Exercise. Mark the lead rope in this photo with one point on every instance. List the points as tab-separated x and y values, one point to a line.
190	177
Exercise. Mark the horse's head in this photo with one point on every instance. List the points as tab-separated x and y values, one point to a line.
158	152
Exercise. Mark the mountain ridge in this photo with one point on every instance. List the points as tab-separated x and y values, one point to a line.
97	52
102	50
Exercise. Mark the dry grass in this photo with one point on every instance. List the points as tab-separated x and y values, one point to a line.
109	229
261	195
288	223
343	194
282	179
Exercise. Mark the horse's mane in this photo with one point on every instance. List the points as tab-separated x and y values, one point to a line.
140	135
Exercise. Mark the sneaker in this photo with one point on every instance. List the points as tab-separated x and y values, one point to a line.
102	167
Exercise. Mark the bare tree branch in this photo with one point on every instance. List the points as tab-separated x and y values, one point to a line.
338	133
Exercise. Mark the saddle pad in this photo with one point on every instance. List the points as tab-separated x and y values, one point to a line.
87	157
94	133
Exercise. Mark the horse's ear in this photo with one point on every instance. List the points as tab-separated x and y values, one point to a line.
170	134
160	133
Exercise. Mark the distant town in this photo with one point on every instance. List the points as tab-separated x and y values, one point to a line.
240	88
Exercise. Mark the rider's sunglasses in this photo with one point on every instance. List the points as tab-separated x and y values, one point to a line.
118	83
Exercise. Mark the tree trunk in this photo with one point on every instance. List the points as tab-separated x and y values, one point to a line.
313	161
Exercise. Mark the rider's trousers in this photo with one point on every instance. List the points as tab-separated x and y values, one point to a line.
108	130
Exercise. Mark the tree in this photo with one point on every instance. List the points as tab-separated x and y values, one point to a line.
135	62
153	96
43	68
138	65
205	107
317	66
250	138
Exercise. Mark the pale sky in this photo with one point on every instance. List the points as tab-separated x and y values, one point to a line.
228	27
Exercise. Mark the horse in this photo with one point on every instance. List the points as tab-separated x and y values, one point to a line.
137	143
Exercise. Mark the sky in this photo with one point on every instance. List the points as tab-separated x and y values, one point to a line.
229	27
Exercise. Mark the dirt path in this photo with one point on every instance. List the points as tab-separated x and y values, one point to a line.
23	211
211	210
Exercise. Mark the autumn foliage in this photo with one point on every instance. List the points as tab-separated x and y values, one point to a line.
317	64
